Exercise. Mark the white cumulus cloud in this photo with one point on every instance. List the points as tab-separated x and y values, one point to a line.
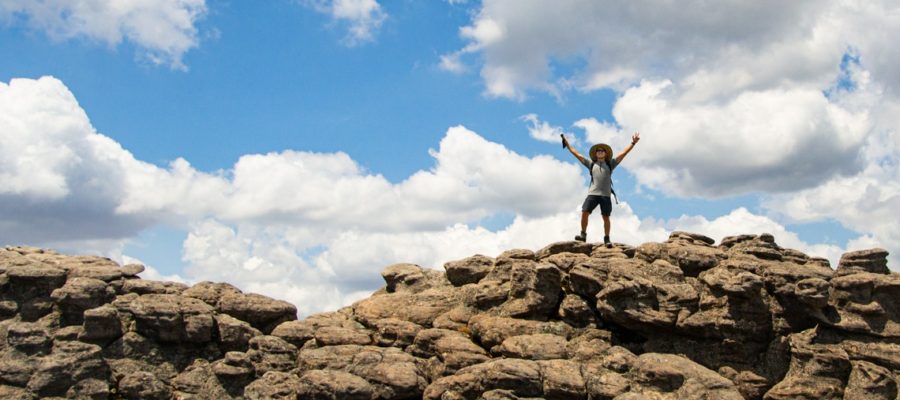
362	17
61	180
770	141
865	202
731	97
797	101
290	224
709	49
543	131
54	160
602	132
164	29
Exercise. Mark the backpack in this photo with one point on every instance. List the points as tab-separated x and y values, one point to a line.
611	189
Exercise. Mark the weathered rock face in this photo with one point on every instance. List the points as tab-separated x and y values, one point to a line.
172	318
683	319
84	327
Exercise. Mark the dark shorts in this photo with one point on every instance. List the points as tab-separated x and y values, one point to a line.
592	201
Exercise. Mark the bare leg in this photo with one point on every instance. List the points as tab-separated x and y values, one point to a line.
584	220
605	225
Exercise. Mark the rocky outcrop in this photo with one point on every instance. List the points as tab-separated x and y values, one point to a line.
683	319
85	327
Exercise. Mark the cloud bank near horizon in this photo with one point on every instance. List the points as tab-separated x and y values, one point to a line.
290	224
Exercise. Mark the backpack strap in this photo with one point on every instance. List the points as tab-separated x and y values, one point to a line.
591	171
611	189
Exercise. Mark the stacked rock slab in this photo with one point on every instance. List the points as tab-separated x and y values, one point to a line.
86	327
683	319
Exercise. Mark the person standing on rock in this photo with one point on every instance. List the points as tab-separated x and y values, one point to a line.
601	166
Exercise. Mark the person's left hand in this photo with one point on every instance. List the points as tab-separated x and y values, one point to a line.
635	138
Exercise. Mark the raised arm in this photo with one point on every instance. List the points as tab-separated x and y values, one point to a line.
573	151
634	139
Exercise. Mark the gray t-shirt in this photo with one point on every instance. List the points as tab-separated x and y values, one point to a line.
601	184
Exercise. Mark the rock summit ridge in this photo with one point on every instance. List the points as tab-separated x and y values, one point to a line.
683	319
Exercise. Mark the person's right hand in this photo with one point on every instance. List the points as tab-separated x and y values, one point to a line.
565	142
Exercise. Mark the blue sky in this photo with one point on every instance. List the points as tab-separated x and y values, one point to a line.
295	148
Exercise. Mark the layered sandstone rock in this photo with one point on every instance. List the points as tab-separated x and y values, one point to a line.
682	319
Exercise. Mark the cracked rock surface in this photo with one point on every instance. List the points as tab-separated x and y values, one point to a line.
683	319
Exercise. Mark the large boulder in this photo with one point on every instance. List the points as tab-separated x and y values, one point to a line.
391	373
447	351
101	324
468	270
271	353
542	346
210	292
681	378
234	334
16	368
692	253
329	384
871	260
420	308
29	338
534	291
34	280
521	377
731	306
411	278
636	297
817	370
198	382
79	295
394	332
760	247
107	273
144	385
235	371
492	331
870	381
564	247
562	379
335	335
172	318
68	364
865	302
262	312
275	385
298	332
575	311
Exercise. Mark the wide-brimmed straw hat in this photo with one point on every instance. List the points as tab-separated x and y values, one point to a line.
599	146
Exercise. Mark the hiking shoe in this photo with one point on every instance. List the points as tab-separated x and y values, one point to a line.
581	237
607	242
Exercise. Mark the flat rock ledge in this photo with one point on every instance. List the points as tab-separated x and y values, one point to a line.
683	319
